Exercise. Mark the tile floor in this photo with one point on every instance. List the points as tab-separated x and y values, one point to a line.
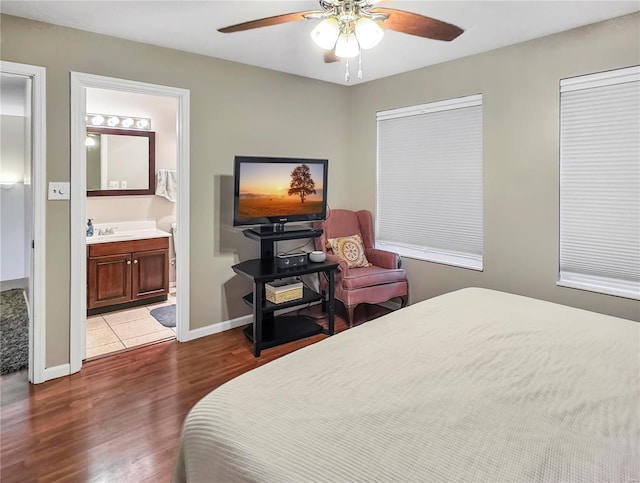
115	331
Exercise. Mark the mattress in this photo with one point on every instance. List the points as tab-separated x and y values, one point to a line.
475	385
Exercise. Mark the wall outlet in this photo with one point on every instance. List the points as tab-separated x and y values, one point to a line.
123	185
59	190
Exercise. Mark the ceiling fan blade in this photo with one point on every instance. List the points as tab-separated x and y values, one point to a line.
330	57
266	22
415	24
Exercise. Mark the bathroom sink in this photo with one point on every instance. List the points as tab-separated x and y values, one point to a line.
109	238
130	235
111	235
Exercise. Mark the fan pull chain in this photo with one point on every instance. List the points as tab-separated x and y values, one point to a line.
360	64
347	76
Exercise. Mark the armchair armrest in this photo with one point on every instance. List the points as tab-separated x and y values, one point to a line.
383	258
343	267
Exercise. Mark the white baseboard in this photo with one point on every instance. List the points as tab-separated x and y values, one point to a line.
65	369
219	327
57	371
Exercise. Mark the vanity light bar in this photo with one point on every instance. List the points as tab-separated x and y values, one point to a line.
118	122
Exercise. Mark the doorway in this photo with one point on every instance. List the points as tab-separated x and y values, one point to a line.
84	92
131	188
22	243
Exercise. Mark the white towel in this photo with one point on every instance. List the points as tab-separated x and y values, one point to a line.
167	184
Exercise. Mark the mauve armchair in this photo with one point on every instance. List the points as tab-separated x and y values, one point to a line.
380	282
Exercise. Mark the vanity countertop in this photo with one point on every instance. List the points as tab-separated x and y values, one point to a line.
127	236
125	231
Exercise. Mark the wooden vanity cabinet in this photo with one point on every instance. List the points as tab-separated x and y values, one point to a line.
150	273
122	272
109	280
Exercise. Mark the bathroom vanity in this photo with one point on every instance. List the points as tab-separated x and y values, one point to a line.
127	268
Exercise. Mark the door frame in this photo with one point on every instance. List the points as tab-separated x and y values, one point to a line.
78	310
37	276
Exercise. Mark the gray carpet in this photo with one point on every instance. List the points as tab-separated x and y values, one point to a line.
14	331
165	315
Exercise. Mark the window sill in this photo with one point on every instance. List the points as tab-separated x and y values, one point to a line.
445	258
598	285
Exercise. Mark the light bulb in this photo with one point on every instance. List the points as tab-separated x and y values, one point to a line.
113	121
368	32
89	141
97	120
142	123
347	46
128	122
326	33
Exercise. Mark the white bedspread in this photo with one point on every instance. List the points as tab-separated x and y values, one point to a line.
475	385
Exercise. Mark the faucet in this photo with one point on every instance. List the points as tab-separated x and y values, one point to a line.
106	231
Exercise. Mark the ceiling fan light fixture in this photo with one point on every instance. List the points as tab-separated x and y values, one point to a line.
368	33
347	46
347	27
326	33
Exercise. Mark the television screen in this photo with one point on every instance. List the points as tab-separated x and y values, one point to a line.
279	190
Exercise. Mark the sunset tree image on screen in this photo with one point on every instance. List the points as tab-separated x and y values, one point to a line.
269	190
301	182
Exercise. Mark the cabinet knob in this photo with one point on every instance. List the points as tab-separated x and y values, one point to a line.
135	261
128	262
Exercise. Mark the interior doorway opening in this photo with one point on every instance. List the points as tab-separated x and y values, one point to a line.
85	105
22	219
132	188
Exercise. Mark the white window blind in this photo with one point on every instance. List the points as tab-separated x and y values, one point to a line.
600	182
429	182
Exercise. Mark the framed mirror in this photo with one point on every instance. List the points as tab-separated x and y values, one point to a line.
120	162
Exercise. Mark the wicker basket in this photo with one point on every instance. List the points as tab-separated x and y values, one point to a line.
280	291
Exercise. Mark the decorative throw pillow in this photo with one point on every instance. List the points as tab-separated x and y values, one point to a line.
350	249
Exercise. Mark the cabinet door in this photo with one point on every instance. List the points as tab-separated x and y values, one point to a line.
150	273
109	280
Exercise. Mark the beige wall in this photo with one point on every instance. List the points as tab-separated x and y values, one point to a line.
520	91
235	109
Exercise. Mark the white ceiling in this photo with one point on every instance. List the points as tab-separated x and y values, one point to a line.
192	26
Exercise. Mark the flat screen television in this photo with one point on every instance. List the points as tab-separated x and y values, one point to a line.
275	191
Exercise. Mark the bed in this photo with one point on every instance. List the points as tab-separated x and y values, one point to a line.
475	385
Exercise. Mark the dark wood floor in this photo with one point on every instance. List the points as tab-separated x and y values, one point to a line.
119	419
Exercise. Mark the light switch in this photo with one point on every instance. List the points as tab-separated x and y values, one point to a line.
59	190
114	185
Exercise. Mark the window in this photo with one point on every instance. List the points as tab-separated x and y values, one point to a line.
600	182
429	183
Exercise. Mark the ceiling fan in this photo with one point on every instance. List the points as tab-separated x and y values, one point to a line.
349	26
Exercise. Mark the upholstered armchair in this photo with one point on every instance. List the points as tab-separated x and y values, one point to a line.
379	282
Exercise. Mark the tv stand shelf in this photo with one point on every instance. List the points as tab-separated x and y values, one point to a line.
281	235
268	237
308	296
283	329
269	329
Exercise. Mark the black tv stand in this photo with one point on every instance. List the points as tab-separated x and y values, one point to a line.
275	228
268	236
269	329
